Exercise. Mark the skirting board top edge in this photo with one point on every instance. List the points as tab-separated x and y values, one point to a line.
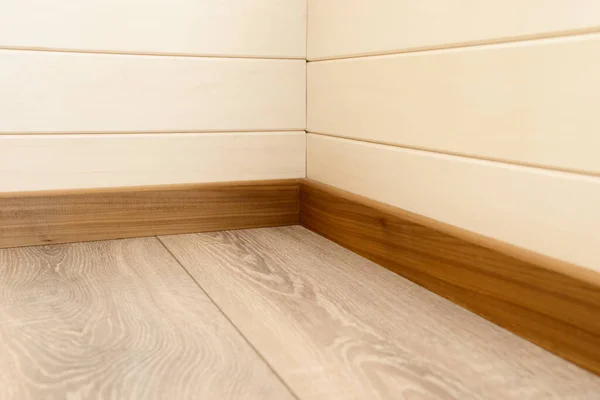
147	188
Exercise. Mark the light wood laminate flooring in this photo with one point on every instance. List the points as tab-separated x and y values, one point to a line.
273	313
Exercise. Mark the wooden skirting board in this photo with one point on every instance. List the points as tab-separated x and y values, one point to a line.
553	304
46	217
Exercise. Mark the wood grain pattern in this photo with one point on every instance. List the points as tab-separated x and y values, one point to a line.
551	308
336	326
46	92
83	215
49	162
360	27
118	320
208	27
529	103
549	212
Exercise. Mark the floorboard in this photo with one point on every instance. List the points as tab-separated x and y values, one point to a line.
337	326
118	320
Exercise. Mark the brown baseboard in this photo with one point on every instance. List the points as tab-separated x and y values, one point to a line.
553	304
36	218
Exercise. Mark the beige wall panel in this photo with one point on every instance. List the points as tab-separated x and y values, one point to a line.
550	212
529	102
268	28
358	27
40	162
68	92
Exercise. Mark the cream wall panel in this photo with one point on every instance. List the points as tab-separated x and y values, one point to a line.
357	27
528	102
40	162
271	28
68	92
550	212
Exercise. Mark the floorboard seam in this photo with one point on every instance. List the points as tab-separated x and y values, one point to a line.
258	353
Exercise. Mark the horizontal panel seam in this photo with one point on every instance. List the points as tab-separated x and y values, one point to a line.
147	54
543	167
158	132
464	45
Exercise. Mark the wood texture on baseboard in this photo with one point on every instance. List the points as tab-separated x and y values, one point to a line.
35	218
559	311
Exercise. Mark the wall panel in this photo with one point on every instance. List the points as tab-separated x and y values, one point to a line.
358	27
550	212
67	92
42	162
528	102
267	28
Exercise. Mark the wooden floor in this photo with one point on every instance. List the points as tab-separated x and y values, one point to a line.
274	313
